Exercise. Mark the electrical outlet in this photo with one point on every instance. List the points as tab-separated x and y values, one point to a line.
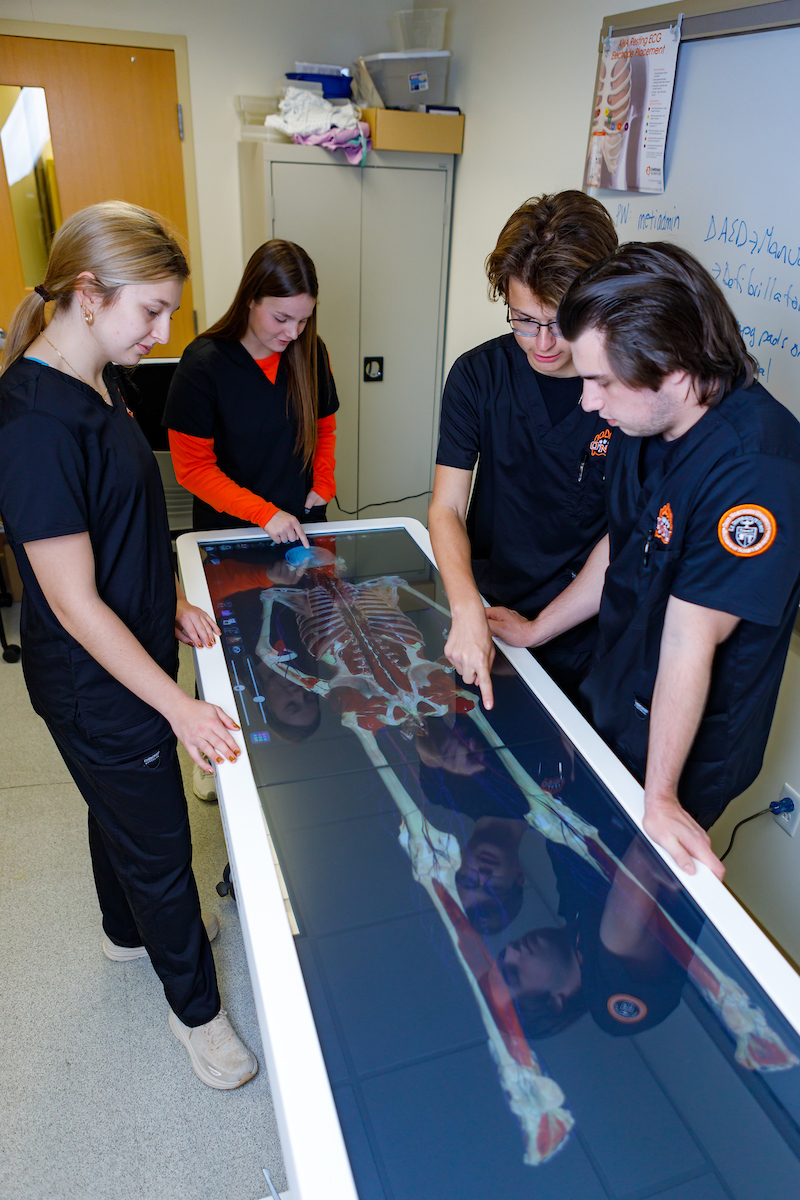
788	821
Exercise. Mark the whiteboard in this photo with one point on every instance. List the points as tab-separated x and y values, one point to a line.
732	174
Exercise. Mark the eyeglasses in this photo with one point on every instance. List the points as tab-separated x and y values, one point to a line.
530	327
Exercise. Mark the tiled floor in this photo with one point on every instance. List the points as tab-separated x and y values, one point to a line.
98	1100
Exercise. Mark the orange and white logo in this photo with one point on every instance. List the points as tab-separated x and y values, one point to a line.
626	1009
747	530
664	524
600	444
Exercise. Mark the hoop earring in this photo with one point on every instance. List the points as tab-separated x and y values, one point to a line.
88	315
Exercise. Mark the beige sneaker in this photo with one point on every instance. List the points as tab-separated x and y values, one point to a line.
204	785
219	1058
128	953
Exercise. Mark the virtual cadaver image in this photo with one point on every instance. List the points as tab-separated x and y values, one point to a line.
393	797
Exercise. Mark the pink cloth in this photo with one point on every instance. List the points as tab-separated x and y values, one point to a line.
355	141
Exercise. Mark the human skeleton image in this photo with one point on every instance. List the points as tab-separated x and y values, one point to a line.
370	665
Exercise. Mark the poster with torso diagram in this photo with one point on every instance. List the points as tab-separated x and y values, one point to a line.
631	111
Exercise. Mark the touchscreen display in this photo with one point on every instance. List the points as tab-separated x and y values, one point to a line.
514	995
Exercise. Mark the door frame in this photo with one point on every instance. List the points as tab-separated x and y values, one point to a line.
149	41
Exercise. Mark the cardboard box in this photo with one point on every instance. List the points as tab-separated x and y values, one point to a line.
432	133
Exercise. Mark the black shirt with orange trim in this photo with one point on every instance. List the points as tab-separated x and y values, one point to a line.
232	435
715	522
537	507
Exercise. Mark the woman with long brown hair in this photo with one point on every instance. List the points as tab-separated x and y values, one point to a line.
251	411
84	510
251	406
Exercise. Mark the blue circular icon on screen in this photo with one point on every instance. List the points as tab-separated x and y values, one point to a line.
309	556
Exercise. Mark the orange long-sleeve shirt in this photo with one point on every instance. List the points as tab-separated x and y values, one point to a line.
196	469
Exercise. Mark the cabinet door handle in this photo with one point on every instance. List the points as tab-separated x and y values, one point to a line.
373	370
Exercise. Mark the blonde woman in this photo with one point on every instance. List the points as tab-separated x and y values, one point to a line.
84	510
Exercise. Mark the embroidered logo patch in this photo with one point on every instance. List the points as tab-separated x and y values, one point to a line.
600	444
664	524
747	530
626	1009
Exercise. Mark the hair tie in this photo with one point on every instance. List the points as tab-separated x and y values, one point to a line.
43	292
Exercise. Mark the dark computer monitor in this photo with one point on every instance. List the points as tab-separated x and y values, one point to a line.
145	387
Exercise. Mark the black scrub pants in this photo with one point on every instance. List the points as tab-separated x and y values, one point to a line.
141	852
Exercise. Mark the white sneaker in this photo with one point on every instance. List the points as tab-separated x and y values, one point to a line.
204	785
219	1058
128	953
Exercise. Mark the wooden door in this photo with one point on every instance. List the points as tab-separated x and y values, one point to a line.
113	114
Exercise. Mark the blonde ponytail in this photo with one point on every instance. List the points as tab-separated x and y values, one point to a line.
116	243
26	325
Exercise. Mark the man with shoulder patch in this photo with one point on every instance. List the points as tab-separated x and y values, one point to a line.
698	581
511	416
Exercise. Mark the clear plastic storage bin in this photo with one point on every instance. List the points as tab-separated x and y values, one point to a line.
418	28
412	78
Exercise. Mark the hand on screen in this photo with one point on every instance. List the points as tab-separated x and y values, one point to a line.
205	731
194	627
470	649
283	527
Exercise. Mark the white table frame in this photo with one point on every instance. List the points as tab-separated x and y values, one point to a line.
317	1166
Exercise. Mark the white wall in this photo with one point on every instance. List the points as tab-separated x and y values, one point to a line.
524	74
236	47
764	864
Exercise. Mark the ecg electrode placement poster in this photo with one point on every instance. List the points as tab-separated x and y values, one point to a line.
631	111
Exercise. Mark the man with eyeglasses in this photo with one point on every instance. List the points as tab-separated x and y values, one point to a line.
698	582
511	417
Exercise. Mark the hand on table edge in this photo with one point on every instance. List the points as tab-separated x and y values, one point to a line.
579	601
197	728
671	827
65	570
511	627
193	626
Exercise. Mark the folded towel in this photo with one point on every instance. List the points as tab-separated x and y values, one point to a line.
305	112
354	142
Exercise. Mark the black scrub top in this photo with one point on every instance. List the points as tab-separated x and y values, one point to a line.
69	463
716	523
219	391
537	508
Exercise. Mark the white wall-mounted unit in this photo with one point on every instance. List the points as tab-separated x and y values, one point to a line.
379	236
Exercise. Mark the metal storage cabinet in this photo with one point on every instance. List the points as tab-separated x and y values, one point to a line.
379	236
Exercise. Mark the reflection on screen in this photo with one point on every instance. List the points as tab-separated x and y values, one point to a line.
482	932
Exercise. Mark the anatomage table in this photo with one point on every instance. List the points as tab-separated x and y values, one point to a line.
475	977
